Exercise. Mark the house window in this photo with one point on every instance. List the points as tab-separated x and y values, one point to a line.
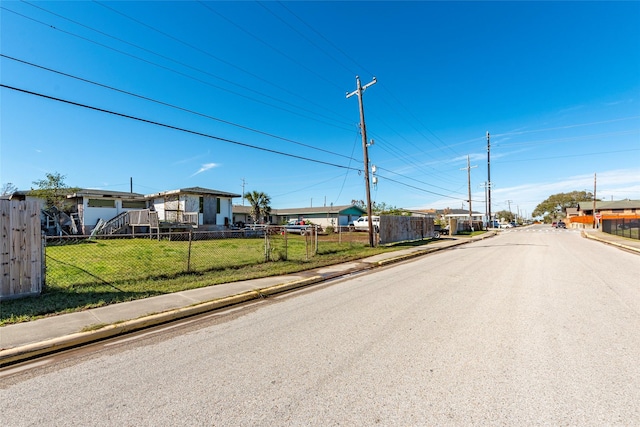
101	203
201	205
134	204
218	205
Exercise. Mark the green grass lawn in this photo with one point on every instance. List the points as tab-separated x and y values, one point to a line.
88	275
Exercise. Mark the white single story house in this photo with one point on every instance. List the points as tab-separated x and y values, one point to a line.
324	216
199	206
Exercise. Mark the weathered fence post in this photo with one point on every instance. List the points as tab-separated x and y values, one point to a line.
189	254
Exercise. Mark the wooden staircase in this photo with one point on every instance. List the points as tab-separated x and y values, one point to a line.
113	226
128	221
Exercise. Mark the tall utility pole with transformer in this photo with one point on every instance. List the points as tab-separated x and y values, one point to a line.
363	129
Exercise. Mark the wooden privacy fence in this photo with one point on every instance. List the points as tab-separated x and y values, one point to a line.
396	228
583	219
21	261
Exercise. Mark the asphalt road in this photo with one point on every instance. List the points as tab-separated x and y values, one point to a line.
533	327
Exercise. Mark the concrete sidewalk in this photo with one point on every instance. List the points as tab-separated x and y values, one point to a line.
631	245
30	339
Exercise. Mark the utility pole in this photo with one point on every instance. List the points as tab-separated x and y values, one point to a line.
509	203
486	187
468	168
489	176
243	183
363	129
594	201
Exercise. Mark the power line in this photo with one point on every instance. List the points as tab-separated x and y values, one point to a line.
350	158
407	158
572	138
301	34
416	180
163	67
569	156
192	132
313	117
350	57
346	55
568	126
422	189
342	65
209	54
172	106
310	70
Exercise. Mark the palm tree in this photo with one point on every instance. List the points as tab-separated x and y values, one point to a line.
259	202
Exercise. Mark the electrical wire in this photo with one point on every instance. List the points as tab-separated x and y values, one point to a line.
192	132
196	113
310	70
230	64
313	117
350	57
133	56
569	156
172	106
423	190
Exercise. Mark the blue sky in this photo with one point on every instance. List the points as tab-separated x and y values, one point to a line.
253	94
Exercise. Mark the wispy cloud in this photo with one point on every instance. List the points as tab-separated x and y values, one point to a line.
622	101
191	159
205	168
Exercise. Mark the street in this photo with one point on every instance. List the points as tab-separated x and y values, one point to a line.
536	326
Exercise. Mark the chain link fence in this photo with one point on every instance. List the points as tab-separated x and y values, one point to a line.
83	260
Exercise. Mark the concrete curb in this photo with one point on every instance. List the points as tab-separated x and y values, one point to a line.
23	353
412	255
427	251
608	242
17	354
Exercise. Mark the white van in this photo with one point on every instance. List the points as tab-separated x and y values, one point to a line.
362	223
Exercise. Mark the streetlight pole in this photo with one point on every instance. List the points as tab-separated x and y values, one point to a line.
359	90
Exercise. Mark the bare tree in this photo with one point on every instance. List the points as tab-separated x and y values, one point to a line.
7	189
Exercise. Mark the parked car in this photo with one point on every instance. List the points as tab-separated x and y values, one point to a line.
297	226
554	224
506	225
362	224
561	224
